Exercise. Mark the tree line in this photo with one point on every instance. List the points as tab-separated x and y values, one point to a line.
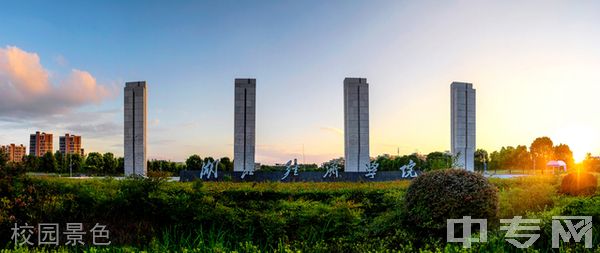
509	158
91	164
540	152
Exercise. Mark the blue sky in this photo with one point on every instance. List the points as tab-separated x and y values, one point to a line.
529	61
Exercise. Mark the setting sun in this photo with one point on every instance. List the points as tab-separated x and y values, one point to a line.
579	138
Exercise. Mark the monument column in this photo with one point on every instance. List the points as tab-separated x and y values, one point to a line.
462	96
244	125
356	124
135	128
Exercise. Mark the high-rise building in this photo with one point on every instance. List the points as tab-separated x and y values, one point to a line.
70	144
244	125
462	96
356	124
135	140
40	144
15	153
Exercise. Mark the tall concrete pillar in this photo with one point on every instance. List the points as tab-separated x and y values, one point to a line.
356	124
244	125
462	96
135	128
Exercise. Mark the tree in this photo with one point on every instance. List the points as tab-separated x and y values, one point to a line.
31	163
522	157
3	159
507	158
110	163
48	163
209	159
60	161
386	163
494	163
564	153
226	164
194	162
120	165
591	163
94	162
438	160
75	162
481	159
542	150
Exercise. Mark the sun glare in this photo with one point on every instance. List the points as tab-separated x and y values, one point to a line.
579	138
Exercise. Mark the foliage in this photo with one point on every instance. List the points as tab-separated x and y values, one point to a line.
439	160
226	164
510	158
153	215
3	158
522	160
31	162
94	162
76	162
579	184
481	158
539	192
110	163
449	194
48	163
167	167
419	160
563	152
60	161
194	162
542	150
433	161
591	163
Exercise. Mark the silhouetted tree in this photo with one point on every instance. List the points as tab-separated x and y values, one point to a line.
543	151
76	161
194	162
60	161
564	153
481	157
3	159
31	163
110	163
226	164
48	163
94	162
120	165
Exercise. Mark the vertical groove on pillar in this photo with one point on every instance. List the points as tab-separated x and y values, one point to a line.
133	127
245	122
359	143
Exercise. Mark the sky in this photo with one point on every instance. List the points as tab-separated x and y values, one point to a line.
535	66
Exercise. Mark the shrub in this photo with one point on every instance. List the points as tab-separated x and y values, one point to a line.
539	191
579	184
436	196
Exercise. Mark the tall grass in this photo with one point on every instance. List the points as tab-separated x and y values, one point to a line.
157	216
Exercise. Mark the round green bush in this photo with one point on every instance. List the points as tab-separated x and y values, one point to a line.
436	196
579	184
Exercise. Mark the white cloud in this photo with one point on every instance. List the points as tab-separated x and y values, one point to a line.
336	130
26	90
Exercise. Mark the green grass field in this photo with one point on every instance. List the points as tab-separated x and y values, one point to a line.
157	216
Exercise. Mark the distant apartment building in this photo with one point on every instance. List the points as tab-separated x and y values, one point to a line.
40	144
70	144
15	153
